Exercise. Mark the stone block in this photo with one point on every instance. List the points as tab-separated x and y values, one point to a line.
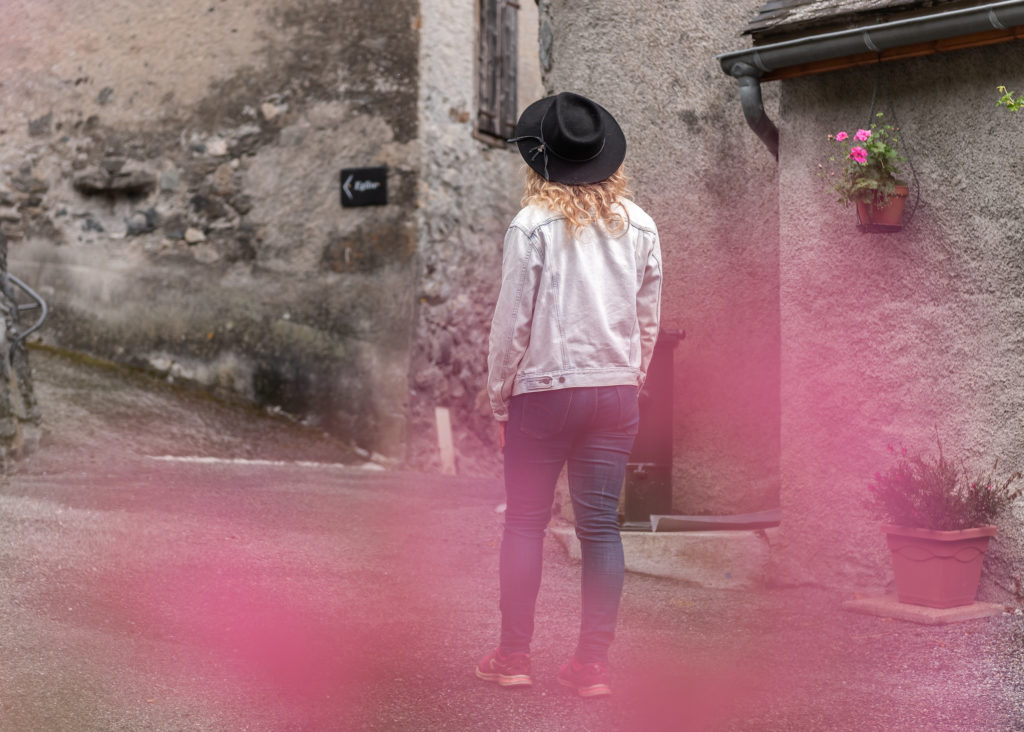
888	606
712	559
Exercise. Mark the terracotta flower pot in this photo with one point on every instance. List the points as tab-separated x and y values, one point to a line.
939	569
884	218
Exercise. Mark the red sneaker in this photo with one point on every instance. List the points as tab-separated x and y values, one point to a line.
587	679
511	669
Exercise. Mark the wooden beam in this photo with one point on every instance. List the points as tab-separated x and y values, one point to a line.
972	40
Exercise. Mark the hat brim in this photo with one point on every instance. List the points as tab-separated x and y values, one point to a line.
565	171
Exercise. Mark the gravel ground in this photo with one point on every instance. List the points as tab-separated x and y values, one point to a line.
142	594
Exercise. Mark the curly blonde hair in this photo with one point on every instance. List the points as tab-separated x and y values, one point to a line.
582	205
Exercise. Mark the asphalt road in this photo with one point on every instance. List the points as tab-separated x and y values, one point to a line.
293	592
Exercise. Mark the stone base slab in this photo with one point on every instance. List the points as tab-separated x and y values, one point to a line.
713	559
887	606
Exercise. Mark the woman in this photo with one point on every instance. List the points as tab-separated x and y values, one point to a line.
571	339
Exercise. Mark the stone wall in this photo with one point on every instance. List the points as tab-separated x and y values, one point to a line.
890	339
170	183
710	186
470	190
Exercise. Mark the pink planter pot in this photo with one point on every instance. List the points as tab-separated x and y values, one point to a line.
939	569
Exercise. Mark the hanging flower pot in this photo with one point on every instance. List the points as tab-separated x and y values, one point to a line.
865	171
887	217
938	569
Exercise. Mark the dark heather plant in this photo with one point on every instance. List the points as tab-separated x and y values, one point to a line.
939	494
866	168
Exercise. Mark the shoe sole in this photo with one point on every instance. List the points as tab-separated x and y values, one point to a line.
588	692
503	680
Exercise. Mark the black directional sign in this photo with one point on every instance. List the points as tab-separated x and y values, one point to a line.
364	187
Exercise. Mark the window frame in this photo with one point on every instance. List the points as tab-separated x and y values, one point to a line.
497	70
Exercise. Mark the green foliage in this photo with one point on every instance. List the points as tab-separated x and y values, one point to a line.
866	168
1009	100
939	494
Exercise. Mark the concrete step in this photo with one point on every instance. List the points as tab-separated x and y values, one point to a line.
727	559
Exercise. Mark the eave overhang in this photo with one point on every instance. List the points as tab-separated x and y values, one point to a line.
900	39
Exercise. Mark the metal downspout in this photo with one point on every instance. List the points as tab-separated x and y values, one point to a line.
749	65
749	80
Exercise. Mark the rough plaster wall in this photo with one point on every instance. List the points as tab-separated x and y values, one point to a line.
709	183
887	338
469	192
236	267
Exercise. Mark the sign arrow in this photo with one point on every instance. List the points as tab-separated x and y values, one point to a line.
364	186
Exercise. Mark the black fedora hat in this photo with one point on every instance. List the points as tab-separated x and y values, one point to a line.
568	138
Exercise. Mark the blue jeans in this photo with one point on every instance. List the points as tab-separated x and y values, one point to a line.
592	429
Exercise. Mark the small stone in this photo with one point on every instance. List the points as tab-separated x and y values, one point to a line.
136	224
132	182
10	214
221	225
247	139
142	222
92	181
223	179
205	254
105	95
216	147
175	226
170	181
268	110
41	126
29	184
194	235
241	203
210	207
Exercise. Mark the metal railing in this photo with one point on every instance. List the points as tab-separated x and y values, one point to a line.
37	303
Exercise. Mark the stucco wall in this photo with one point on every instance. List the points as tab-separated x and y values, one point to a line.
890	338
236	266
710	186
470	189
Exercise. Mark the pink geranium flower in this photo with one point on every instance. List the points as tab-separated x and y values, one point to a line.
865	163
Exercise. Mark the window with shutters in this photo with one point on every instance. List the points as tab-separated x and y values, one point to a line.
496	92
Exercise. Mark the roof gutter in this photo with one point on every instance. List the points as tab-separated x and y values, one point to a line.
749	65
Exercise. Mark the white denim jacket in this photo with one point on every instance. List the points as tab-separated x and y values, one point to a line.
573	312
